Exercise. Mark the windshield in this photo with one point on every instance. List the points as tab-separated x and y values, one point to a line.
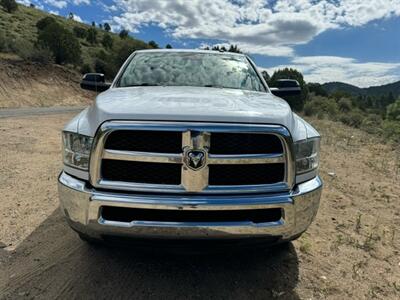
191	69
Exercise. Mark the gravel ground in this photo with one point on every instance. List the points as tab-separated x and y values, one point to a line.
350	251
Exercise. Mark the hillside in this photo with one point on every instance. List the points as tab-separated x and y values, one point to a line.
19	28
381	90
25	84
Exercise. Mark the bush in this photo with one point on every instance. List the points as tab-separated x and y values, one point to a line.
123	34
21	47
3	42
91	35
322	108
42	55
153	45
86	68
391	130
9	5
43	23
107	41
354	118
372	123
80	32
345	105
62	43
393	111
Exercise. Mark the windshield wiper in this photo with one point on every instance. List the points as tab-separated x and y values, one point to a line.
214	86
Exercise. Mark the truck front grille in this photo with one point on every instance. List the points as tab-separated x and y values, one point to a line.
141	172
191	158
246	174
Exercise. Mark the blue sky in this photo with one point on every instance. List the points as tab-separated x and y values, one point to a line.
354	41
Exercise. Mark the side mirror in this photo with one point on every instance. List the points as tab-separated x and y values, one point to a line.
94	82
286	87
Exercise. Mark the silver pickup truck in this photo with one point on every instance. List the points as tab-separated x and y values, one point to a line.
189	144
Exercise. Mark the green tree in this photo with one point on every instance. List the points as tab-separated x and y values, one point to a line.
234	49
107	27
43	23
317	89
295	102
91	35
123	34
107	41
9	5
153	44
62	43
393	111
168	46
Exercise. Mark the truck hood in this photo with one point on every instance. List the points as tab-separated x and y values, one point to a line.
200	104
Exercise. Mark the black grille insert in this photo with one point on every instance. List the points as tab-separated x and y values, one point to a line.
246	174
122	214
145	141
244	143
141	172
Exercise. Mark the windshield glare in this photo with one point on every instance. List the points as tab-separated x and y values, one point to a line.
191	69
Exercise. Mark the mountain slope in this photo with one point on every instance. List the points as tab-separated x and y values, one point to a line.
19	28
393	88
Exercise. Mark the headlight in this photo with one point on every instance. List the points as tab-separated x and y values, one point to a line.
77	149
307	155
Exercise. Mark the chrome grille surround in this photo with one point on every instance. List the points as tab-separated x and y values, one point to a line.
194	136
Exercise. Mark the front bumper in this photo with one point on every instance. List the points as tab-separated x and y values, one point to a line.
82	207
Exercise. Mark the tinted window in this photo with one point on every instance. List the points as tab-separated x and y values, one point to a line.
191	69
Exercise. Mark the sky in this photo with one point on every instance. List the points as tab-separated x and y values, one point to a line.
353	41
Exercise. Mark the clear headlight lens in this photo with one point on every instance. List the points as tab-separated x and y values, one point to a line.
307	155
77	149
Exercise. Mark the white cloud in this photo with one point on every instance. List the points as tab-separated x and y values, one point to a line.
79	2
332	68
78	18
256	26
56	3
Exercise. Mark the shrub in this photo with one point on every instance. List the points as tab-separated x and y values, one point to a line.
86	68
353	118
391	130
344	105
91	35
80	32
393	111
42	55
43	23
321	107
3	42
21	47
63	44
107	41
123	34
9	5
153	44
107	27
372	123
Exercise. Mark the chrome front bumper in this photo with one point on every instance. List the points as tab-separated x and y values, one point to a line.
82	207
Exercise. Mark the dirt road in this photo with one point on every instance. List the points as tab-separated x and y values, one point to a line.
350	251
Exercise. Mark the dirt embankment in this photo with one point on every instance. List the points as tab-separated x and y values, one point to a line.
25	84
351	251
